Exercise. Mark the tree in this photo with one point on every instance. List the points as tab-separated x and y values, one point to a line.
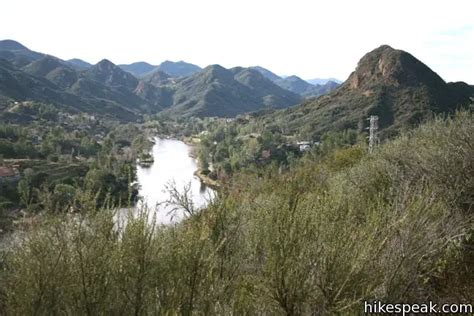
25	189
25	192
203	158
63	196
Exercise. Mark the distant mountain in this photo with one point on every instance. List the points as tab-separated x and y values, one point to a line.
216	91
106	89
387	82
178	69
18	85
297	85
172	69
53	69
157	97
161	87
138	69
17	54
266	73
78	64
11	45
322	81
157	78
41	67
107	81
109	74
327	87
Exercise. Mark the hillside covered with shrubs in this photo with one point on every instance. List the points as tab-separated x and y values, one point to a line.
320	237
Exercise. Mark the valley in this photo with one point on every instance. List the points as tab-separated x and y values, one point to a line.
301	219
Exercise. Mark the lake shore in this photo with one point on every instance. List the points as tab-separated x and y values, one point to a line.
207	180
193	142
173	165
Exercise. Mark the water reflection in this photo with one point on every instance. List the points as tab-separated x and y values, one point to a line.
172	165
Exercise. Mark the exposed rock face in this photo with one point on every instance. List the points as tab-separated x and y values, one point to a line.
389	83
391	67
157	78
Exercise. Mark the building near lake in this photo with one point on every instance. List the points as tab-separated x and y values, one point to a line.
9	174
304	145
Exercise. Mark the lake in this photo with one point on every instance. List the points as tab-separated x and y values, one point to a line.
172	164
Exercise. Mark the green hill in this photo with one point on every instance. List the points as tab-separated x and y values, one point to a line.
178	69
216	91
109	74
17	54
157	78
78	64
138	69
297	85
179	88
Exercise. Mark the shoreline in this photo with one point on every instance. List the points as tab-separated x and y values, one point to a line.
213	184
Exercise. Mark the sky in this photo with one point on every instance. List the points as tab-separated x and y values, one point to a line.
308	38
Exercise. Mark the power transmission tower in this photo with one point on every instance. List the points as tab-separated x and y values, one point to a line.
373	127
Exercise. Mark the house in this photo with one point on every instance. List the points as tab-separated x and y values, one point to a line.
304	145
9	174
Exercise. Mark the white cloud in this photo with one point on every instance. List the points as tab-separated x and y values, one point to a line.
308	38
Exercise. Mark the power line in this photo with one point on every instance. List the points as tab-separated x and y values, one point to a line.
373	127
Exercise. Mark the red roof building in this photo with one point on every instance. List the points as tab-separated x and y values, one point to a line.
8	174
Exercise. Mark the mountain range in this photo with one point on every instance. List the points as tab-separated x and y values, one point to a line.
387	82
128	91
322	81
299	86
217	91
173	69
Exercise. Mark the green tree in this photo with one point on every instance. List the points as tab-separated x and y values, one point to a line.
25	188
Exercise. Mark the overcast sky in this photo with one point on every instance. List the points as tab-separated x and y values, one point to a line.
307	38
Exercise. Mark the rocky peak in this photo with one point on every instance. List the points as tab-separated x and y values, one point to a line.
105	65
391	67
